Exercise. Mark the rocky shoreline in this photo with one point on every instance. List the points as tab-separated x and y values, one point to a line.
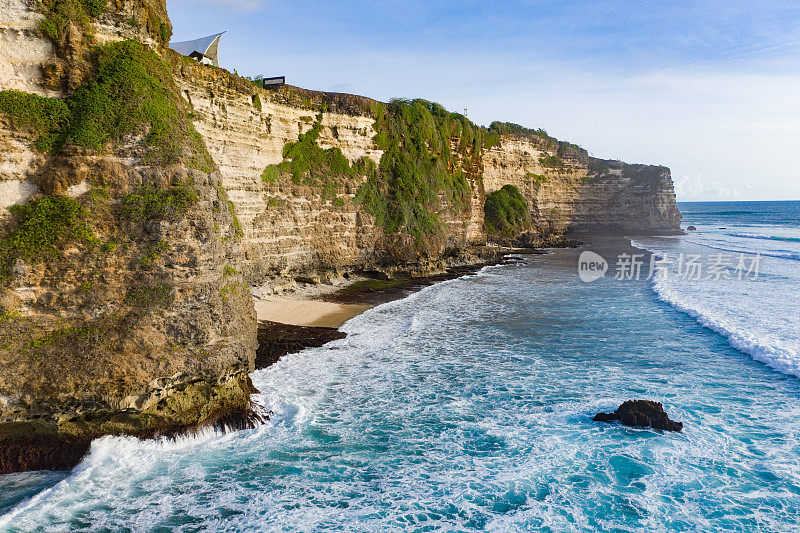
29	446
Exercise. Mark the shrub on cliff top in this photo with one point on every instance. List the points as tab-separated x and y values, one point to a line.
598	166
505	128
506	212
42	230
563	148
40	115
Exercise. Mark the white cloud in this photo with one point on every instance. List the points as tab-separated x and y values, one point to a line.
689	189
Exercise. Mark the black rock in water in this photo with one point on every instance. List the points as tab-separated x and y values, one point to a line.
691	228
641	413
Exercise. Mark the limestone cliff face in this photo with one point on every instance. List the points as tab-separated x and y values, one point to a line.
30	62
23	50
583	195
293	230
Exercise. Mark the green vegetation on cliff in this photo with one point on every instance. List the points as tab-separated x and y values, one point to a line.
506	212
419	165
506	128
149	296
644	172
59	14
429	157
598	166
563	149
152	202
37	115
42	229
538	179
551	161
271	174
131	92
310	164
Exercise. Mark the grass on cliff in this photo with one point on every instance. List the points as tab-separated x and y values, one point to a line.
236	225
38	115
538	179
152	202
310	164
271	174
149	296
42	229
419	166
506	212
551	161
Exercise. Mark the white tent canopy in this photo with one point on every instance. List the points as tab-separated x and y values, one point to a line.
206	47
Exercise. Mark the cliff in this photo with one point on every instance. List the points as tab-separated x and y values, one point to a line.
293	228
570	192
121	309
133	226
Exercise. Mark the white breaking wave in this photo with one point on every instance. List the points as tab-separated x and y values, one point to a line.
468	407
726	246
117	451
765	237
758	317
770	351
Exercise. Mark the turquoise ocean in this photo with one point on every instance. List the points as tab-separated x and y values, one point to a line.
468	406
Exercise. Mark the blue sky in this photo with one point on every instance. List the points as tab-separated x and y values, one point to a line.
710	89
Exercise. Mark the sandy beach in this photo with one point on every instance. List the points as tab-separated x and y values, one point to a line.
306	312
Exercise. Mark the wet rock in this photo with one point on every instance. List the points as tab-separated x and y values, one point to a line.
41	453
691	228
641	413
276	340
